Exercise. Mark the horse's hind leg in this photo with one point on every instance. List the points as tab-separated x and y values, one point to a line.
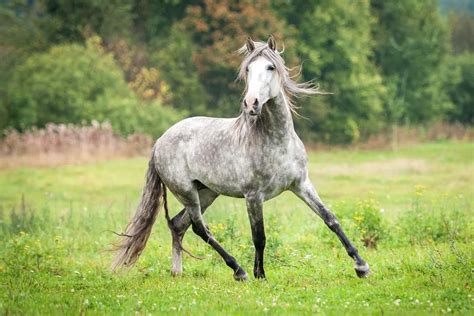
180	224
192	205
307	193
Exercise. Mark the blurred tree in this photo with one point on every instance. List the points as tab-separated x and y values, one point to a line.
460	66
460	87
21	34
154	18
174	57
219	28
61	85
110	19
335	44
145	81
411	46
461	25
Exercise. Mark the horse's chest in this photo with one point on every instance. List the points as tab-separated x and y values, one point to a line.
274	174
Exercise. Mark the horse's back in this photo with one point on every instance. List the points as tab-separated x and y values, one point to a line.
185	143
193	126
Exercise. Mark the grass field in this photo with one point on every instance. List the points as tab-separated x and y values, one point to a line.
415	204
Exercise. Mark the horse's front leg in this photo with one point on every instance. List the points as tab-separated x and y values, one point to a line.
255	212
305	191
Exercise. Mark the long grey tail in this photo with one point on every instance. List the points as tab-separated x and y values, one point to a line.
133	241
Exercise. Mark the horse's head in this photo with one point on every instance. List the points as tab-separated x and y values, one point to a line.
266	76
261	76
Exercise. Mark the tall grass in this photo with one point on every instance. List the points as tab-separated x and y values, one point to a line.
66	143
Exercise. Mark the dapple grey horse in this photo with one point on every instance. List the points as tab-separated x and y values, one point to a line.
255	156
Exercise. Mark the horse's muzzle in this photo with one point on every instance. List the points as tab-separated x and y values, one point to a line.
253	109
254	112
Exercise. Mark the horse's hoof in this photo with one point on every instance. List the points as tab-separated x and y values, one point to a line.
362	271
240	275
176	273
260	277
259	274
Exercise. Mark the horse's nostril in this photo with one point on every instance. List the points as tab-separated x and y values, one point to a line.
255	103
245	103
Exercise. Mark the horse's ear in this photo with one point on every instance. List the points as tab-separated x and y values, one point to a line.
250	44
271	43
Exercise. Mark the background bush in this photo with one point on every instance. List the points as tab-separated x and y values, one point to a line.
74	83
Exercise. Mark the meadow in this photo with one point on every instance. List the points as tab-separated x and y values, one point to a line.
410	212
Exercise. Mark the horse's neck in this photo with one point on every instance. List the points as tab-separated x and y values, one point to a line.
277	119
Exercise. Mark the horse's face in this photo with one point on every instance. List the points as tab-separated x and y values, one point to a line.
263	84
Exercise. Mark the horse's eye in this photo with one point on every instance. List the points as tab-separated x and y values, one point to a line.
271	67
247	69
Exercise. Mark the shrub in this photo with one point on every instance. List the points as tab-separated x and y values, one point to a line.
72	84
369	223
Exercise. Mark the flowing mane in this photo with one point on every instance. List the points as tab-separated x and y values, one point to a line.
291	88
246	130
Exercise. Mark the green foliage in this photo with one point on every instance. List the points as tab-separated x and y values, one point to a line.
460	87
129	115
109	19
411	43
335	43
217	29
369	222
19	40
72	84
63	85
154	19
174	57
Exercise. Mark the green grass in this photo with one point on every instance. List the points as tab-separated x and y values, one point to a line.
54	257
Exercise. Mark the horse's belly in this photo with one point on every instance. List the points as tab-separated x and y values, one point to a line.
225	188
269	185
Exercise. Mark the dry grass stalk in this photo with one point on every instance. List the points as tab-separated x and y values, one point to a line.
58	144
401	136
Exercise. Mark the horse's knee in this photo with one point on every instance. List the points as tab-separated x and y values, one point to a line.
176	232
180	223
